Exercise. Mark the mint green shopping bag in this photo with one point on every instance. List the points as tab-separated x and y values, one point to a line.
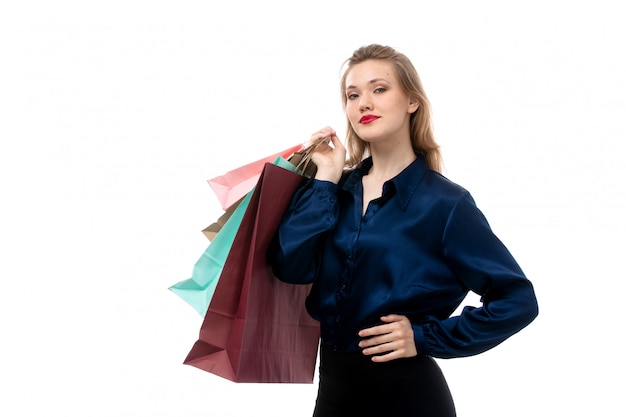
198	290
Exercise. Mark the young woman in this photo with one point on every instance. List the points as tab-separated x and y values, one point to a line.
392	248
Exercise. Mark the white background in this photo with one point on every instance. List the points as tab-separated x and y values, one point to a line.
114	114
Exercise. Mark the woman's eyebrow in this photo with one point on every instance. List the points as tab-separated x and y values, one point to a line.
373	81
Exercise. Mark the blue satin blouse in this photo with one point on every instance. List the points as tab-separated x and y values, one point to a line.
417	251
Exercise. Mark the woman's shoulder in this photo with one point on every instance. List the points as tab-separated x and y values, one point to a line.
443	186
442	195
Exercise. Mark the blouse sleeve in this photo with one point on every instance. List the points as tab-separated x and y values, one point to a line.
484	265
312	212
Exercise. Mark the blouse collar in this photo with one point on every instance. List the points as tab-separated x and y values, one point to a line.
404	184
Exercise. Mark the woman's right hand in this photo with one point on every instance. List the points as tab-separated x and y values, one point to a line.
330	159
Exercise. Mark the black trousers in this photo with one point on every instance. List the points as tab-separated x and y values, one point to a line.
352	385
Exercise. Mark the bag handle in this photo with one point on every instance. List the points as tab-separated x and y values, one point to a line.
307	154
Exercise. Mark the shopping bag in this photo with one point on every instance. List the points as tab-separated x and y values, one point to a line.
301	159
236	183
256	328
213	229
198	290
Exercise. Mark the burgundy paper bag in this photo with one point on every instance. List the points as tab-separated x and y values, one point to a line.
256	328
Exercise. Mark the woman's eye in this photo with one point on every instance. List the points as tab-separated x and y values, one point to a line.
352	96
380	90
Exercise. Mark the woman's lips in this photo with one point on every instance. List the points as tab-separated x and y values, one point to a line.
368	118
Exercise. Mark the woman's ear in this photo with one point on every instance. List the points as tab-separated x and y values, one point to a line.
413	105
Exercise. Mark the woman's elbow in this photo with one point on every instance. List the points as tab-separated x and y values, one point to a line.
527	306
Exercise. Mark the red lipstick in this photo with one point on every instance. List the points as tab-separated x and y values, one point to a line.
368	118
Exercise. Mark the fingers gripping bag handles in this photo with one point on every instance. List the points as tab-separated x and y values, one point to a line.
256	328
302	159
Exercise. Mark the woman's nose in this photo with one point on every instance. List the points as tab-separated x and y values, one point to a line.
365	104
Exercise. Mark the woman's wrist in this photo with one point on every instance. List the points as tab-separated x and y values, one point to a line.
328	175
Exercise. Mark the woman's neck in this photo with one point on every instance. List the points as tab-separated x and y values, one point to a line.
387	163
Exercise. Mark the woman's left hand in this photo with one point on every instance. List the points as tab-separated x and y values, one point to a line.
389	341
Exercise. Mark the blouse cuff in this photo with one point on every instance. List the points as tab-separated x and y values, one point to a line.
420	339
324	185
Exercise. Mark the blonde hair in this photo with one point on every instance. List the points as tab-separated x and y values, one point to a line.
421	131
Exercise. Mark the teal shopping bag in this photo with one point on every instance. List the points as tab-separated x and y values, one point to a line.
198	290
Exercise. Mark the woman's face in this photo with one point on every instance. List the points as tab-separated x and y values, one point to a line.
376	106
